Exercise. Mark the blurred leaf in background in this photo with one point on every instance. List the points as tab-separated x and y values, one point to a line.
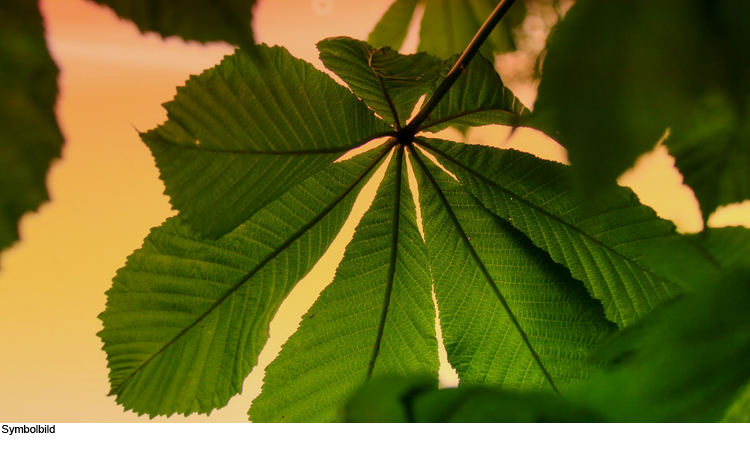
29	134
447	26
192	20
618	74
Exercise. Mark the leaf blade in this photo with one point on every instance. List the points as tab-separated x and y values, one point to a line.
335	350
392	28
243	133
187	317
390	83
487	274
602	244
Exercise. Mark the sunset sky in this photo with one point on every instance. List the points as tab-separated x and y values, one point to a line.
106	196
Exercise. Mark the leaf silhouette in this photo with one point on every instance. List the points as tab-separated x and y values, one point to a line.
188	314
192	20
29	133
447	26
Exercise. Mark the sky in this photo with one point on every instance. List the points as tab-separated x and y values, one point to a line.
106	195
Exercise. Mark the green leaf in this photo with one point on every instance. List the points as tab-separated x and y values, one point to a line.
510	316
187	317
712	150
613	80
392	399
388	82
394	25
246	131
192	20
687	362
695	260
376	317
601	244
477	98
448	26
29	133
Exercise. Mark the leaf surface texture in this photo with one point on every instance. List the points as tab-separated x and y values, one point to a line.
187	317
246	131
376	317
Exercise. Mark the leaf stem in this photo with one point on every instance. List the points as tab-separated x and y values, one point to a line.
392	266
482	267
461	64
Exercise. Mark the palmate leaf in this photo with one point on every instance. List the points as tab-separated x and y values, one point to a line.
244	132
192	20
510	316
447	26
29	134
377	317
187	317
602	245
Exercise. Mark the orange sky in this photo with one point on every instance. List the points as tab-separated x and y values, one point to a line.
106	195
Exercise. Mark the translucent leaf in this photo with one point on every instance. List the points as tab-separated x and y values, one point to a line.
376	317
192	20
510	316
29	133
246	131
447	26
394	25
187	317
601	244
388	82
477	98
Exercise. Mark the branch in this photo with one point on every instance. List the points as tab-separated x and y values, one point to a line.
461	64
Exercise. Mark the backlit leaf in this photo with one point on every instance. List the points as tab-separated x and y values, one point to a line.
375	318
246	131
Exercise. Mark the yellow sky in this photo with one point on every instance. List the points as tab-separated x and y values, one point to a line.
106	195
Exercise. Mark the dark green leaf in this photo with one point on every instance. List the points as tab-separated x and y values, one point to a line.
510	316
477	98
687	359
695	260
712	151
187	317
192	20
416	400
29	133
376	317
246	131
388	82
394	25
614	78
601	244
